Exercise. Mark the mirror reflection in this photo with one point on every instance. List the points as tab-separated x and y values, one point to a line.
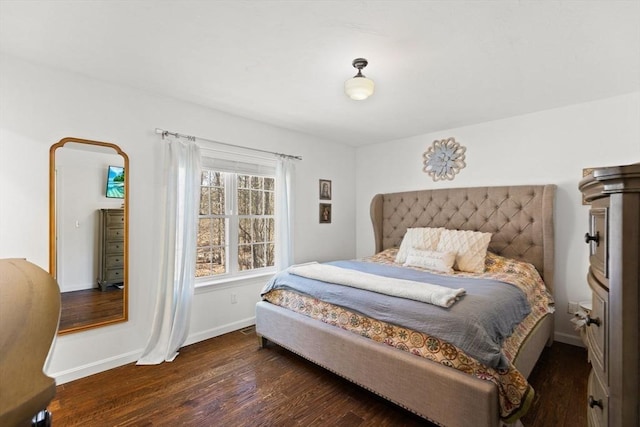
88	225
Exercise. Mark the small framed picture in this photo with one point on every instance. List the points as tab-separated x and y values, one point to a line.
325	213
325	189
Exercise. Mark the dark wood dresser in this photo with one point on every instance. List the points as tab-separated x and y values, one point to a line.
614	278
111	271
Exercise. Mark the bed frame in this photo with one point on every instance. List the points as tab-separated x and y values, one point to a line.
521	220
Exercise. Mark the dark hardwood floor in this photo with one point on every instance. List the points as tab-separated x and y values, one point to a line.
88	306
560	381
230	381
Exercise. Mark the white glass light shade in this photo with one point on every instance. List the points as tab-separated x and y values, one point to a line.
359	88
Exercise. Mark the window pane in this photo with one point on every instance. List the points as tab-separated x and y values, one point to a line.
244	257
269	203
244	202
244	231
216	179
205	205
203	262
217	201
258	230
259	256
205	178
243	181
270	230
204	232
269	184
271	255
256	182
257	202
219	261
218	236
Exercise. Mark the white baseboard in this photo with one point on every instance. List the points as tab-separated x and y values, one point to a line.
130	357
568	339
220	330
95	367
80	287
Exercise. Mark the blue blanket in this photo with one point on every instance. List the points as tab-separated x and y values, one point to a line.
477	324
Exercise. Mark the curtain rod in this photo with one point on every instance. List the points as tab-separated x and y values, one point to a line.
194	138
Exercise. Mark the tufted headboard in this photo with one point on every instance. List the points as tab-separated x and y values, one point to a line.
520	218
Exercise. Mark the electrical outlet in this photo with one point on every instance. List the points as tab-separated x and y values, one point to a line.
573	307
234	298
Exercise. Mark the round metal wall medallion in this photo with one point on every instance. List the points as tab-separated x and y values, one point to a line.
444	159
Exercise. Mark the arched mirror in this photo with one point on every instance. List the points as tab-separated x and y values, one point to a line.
88	221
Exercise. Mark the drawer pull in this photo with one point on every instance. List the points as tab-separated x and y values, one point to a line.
589	238
593	403
592	321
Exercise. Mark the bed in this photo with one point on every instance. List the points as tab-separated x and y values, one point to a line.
520	220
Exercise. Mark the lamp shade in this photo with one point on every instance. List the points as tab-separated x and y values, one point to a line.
359	88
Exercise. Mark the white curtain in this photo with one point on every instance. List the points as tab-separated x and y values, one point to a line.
285	174
177	251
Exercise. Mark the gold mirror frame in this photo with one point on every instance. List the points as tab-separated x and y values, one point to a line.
53	255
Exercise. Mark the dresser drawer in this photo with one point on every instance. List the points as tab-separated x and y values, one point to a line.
597	326
598	401
115	219
597	238
114	261
115	234
114	275
114	247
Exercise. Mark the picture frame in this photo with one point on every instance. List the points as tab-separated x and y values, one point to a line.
325	213
324	189
115	182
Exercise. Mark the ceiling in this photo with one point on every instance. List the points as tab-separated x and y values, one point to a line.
436	64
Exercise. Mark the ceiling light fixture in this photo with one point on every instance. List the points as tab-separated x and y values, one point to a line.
359	87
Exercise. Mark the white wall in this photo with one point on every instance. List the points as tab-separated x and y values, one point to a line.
39	106
551	146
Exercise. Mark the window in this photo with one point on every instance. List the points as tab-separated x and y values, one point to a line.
236	225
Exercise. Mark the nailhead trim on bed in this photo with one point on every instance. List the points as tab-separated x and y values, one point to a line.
358	384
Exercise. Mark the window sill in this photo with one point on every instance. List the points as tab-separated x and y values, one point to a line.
227	282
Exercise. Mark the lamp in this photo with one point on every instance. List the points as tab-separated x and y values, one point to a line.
359	87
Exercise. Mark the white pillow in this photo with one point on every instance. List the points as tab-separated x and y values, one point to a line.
439	261
470	248
425	238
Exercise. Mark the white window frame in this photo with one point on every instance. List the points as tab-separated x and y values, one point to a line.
243	167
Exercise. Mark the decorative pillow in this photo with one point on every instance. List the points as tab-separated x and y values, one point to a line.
432	260
470	248
425	238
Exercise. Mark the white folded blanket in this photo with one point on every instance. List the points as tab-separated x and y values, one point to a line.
418	291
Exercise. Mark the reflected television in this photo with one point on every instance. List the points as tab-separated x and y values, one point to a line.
115	182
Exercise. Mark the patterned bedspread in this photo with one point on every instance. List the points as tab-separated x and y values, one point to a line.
515	394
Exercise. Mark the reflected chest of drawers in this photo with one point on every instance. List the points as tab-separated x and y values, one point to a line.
614	278
111	267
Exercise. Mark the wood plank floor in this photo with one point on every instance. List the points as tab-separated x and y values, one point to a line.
88	306
230	381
